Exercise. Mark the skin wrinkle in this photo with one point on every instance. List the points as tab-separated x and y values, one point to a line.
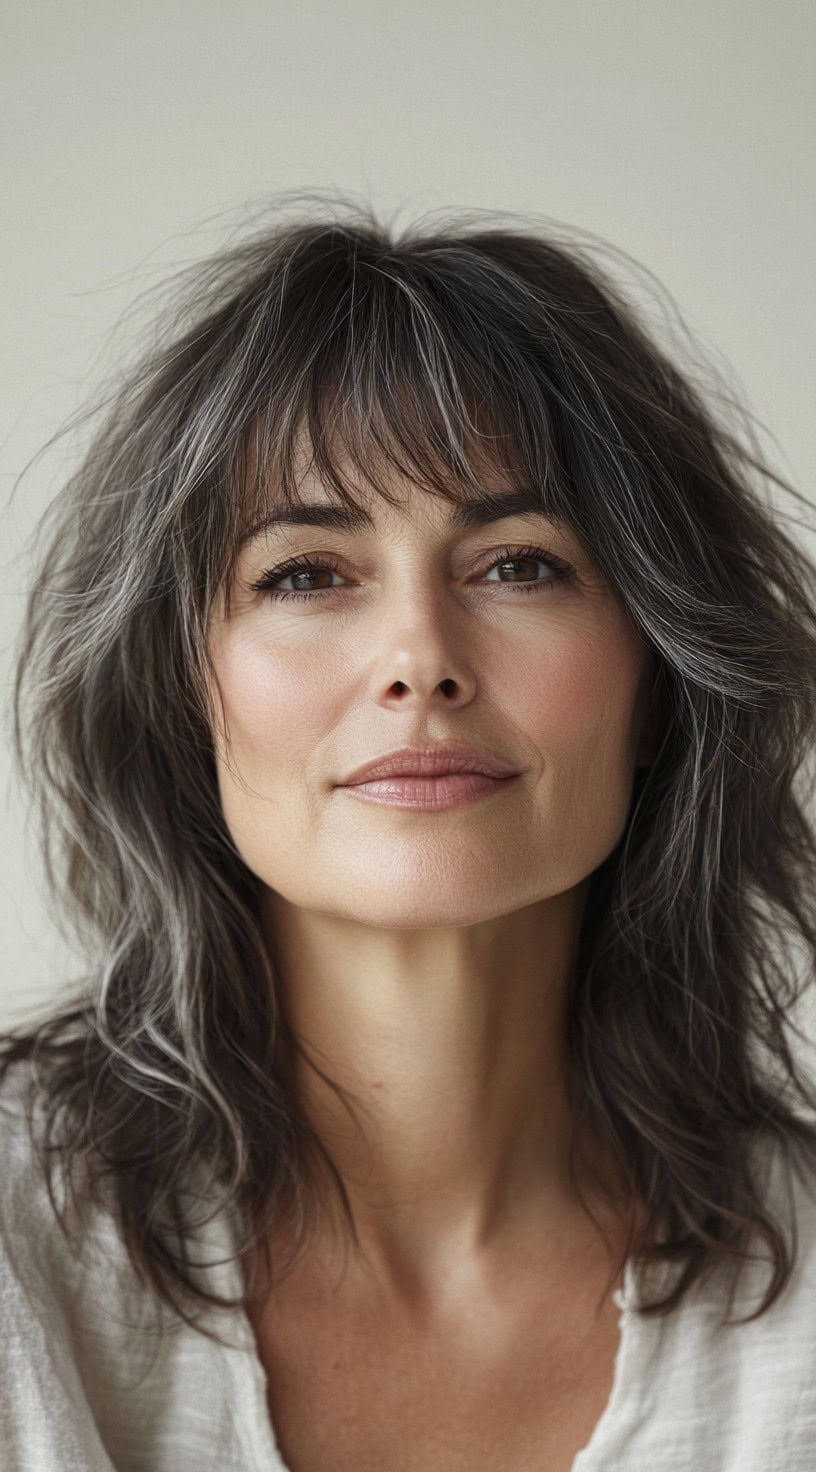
422	958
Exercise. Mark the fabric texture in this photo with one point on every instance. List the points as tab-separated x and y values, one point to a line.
88	1384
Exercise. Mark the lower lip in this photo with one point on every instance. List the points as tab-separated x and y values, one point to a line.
429	794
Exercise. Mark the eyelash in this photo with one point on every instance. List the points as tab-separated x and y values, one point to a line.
268	580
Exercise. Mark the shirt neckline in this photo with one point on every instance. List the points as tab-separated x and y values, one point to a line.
637	1347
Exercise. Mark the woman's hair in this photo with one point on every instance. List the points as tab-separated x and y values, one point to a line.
421	352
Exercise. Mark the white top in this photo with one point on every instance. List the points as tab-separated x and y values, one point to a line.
86	1387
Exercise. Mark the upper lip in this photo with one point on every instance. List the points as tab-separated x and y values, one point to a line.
430	761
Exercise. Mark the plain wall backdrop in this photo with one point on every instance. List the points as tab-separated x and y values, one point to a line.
683	133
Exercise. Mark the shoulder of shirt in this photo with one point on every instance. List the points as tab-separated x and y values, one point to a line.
791	1194
784	1175
21	1122
29	1223
44	1240
787	1183
55	1244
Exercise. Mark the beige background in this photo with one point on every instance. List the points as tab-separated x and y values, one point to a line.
683	133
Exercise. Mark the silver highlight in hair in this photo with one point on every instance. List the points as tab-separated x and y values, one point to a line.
428	352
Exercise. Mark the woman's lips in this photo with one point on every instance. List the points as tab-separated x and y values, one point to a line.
429	794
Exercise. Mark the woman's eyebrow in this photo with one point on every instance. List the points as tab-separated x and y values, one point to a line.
464	516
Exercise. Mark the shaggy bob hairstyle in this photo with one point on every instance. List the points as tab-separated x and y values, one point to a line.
161	1087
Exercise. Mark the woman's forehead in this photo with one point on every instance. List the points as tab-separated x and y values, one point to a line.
361	482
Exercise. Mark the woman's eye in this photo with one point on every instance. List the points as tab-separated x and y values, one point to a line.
518	564
269	582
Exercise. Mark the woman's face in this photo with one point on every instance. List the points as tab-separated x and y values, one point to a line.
425	632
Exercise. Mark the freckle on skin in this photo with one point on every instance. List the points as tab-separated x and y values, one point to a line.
377	1084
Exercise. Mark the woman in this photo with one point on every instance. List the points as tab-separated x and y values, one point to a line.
415	689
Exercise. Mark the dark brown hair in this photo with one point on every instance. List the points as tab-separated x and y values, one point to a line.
418	350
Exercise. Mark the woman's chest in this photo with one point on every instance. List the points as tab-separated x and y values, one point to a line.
352	1395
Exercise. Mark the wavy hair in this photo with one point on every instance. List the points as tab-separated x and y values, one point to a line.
164	1081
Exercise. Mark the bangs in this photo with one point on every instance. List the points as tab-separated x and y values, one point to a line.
452	361
380	376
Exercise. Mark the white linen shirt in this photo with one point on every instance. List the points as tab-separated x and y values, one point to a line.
86	1385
